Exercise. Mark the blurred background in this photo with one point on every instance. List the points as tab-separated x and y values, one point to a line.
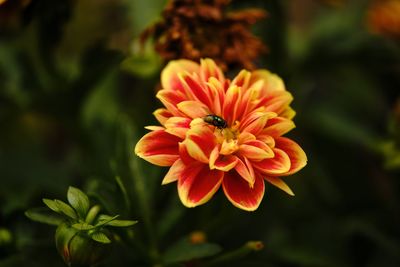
77	88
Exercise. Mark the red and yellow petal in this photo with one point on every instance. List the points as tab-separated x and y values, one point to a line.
174	172
272	82
199	142
278	182
298	158
231	103
177	126
229	147
256	150
242	79
267	139
162	115
222	162
193	109
158	147
256	122
197	184
171	99
278	126
169	76
245	137
240	193
196	91
184	154
245	170
278	165
217	93
277	102
208	69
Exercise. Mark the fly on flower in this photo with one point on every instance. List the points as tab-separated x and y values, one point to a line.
215	120
253	111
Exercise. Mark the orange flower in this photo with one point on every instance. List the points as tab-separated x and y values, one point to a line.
219	132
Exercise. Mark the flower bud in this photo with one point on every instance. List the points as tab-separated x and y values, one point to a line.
77	248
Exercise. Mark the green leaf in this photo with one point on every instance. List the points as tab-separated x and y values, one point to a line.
78	200
60	207
43	215
66	209
183	250
121	223
83	226
51	204
105	219
100	237
111	221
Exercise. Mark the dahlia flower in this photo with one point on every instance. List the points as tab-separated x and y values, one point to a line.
215	132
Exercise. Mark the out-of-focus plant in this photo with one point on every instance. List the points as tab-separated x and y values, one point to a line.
390	148
83	233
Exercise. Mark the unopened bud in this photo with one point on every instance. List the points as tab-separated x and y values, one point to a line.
77	248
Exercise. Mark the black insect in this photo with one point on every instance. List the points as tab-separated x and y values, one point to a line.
215	120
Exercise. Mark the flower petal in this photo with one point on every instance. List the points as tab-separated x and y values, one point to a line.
222	162
278	126
209	69
195	90
197	184
217	93
194	109
278	182
278	165
242	79
288	113
245	137
174	172
256	150
232	99
240	193
256	122
272	82
169	76
200	141
162	115
154	127
229	147
277	102
158	147
178	126
246	171
298	157
267	139
171	99
184	155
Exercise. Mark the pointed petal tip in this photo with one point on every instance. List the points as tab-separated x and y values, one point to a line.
239	193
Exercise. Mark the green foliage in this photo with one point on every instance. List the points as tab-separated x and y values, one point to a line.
79	201
184	250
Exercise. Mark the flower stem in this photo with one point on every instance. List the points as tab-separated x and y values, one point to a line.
143	203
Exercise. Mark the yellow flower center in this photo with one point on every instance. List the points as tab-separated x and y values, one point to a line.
227	138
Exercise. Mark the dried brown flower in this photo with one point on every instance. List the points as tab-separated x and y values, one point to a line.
383	18
195	29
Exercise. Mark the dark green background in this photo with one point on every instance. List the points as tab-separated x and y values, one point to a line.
71	113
